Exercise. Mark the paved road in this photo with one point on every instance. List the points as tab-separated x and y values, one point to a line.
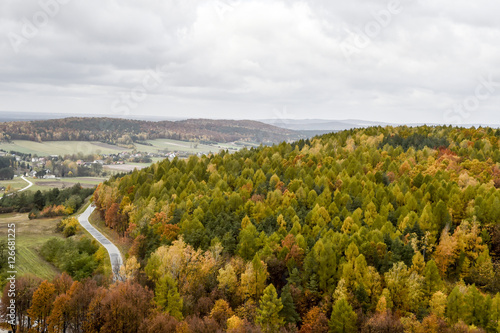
23	189
27	187
114	253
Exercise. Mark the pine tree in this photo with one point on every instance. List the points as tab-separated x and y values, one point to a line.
288	312
294	277
343	319
268	314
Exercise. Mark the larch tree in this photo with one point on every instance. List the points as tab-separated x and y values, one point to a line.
254	278
438	304
454	305
343	318
42	304
432	279
268	313
474	309
249	240
167	297
59	318
494	320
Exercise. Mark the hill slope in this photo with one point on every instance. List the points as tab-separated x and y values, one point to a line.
114	130
387	225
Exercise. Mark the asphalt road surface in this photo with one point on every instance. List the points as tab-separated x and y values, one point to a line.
114	253
23	189
27	187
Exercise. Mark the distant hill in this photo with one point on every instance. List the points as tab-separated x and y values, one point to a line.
311	127
321	126
125	131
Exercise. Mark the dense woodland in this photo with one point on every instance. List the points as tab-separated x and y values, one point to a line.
126	132
370	230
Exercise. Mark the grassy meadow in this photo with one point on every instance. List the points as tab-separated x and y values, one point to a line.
47	184
94	147
15	184
60	147
30	236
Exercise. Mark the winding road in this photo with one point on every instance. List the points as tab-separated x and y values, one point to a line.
27	187
114	253
24	188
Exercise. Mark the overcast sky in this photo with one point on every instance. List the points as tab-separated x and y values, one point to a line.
433	61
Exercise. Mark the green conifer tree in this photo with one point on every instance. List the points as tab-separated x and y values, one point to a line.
432	279
268	314
343	319
454	305
167	297
288	312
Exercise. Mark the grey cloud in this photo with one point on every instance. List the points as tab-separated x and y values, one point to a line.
253	58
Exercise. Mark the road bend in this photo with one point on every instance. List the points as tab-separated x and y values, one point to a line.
114	254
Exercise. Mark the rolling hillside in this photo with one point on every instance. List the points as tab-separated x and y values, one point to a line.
124	131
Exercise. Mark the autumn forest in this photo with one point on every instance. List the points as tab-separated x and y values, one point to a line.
381	229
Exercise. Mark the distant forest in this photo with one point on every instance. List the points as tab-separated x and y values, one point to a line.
124	131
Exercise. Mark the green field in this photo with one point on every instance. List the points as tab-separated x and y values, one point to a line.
175	145
190	147
16	184
60	147
30	236
47	184
71	147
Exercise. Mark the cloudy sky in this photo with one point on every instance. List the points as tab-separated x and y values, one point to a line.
433	61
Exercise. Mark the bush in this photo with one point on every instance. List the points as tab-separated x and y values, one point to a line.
69	227
5	210
52	211
34	214
75	257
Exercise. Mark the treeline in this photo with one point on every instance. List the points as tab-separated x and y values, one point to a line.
126	132
7	168
416	141
63	305
69	168
48	203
